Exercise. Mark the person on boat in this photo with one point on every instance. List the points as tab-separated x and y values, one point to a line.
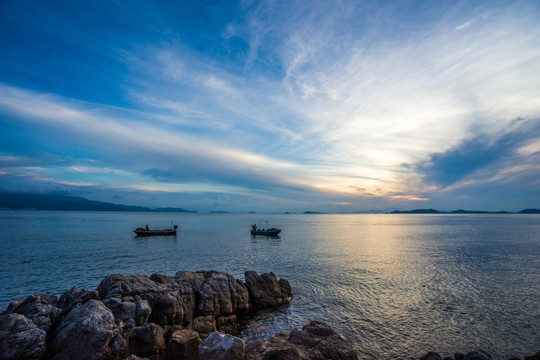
254	226
147	228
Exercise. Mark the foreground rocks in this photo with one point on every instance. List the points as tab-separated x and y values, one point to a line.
192	315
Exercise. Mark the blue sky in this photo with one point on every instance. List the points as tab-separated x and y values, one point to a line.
334	106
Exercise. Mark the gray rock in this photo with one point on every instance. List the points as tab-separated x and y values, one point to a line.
266	290
73	298
88	332
40	308
219	346
146	340
222	295
20	338
184	344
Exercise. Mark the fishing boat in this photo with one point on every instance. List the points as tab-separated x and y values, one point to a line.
147	232
266	232
262	231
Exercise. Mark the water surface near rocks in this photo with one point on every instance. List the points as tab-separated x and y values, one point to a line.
394	285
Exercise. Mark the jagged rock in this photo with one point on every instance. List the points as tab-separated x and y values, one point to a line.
88	332
227	324
431	355
219	346
40	308
129	311
135	357
204	325
20	338
315	341
146	340
73	298
222	295
266	290
184	344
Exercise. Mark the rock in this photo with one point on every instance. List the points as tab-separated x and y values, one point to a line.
227	324
266	290
88	332
431	355
222	295
277	348
40	308
459	356
146	340
20	338
203	325
219	346
474	355
184	344
315	341
73	298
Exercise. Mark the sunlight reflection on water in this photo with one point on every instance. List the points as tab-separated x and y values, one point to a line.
395	285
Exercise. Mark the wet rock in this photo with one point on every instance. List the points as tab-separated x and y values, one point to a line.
204	325
88	332
431	355
184	344
146	340
219	346
222	295
315	341
20	338
40	308
278	347
266	290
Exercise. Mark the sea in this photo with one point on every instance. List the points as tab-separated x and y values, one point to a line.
395	285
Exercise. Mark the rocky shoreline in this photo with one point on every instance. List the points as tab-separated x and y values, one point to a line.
191	315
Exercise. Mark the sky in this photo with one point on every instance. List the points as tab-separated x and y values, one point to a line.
273	106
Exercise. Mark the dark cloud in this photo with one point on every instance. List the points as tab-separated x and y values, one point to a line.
453	165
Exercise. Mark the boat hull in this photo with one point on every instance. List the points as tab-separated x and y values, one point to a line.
269	232
155	232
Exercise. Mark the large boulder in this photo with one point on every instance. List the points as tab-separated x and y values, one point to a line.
222	295
20	338
266	290
88	332
218	346
40	308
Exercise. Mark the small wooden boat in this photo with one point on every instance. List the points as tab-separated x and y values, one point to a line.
266	232
147	232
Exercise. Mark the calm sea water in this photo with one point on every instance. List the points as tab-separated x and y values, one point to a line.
394	285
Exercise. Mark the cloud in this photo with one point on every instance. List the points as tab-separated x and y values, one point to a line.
480	152
464	26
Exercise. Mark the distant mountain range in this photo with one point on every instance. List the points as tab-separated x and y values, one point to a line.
16	201
461	211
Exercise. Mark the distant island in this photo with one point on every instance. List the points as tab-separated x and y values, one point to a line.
312	212
19	201
461	211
